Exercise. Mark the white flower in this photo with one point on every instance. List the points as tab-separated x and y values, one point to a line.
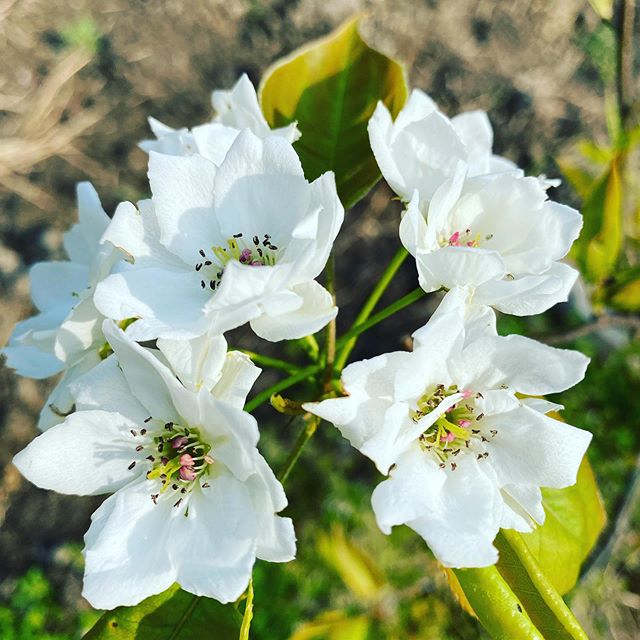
236	109
423	147
220	246
497	234
193	501
66	334
465	455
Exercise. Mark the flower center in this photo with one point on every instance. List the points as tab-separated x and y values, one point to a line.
255	253
178	457
463	239
459	428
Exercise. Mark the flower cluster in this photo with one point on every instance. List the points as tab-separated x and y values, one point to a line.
150	404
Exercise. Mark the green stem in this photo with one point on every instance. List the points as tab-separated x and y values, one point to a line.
248	613
330	342
311	424
274	363
264	396
552	599
370	304
307	372
398	305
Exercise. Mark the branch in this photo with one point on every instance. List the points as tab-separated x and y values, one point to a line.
602	323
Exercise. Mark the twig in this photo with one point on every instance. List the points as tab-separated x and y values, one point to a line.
624	80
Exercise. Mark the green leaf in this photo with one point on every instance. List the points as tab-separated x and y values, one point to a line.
331	88
333	625
575	517
542	602
604	8
535	568
171	615
496	606
598	247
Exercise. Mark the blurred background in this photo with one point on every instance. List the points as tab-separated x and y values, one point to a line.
77	81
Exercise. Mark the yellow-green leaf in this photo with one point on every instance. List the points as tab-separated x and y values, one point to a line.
604	8
627	297
496	606
575	516
357	570
331	88
171	615
333	625
598	247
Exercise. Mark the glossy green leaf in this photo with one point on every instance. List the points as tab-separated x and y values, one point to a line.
575	516
331	88
171	615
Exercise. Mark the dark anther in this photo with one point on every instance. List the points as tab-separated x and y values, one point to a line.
480	416
208	263
133	464
177	504
212	284
199	266
154	497
139	447
201	252
237	235
134	433
148	419
168	425
202	284
256	241
151	458
143	432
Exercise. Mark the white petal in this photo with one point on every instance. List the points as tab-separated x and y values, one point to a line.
231	432
88	454
31	362
531	448
214	140
260	189
106	388
169	303
277	539
239	107
92	218
523	507
182	190
541	405
317	309
218	550
380	128
236	380
152	383
60	402
529	294
55	284
196	362
413	226
531	367
457	266
135	231
409	492
80	331
465	520
126	548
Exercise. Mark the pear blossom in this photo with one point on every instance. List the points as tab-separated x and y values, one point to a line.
221	246
193	501
422	148
66	334
499	235
236	109
465	455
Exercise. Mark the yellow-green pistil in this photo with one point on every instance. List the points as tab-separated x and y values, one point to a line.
178	457
454	430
